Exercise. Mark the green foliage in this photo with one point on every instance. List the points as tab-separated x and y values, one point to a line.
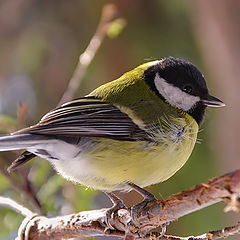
116	27
9	222
7	124
4	184
83	198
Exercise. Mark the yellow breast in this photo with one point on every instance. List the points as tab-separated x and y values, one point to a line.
114	163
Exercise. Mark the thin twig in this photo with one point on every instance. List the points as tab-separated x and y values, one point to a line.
108	15
212	235
10	180
21	114
9	203
30	193
25	189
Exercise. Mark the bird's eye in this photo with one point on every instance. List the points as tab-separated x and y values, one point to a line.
187	89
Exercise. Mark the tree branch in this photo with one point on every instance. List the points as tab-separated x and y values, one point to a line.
162	211
26	188
108	15
154	214
9	203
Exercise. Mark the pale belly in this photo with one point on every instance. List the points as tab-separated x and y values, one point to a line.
110	164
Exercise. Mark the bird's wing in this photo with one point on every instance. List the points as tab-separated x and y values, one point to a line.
90	117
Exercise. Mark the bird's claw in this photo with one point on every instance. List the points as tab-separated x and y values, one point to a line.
110	213
136	209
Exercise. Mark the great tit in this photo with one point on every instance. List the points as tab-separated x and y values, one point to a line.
133	132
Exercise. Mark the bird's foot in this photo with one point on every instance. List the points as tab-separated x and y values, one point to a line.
117	205
136	209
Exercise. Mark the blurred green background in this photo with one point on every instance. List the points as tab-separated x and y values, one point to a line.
40	42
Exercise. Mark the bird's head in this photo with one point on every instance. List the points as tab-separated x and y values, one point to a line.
180	84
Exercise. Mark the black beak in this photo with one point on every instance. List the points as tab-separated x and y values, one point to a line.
211	101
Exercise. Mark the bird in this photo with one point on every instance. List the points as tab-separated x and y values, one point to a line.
130	133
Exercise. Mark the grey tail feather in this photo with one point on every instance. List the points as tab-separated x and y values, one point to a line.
21	141
23	158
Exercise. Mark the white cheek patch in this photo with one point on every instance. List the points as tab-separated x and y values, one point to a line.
175	96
